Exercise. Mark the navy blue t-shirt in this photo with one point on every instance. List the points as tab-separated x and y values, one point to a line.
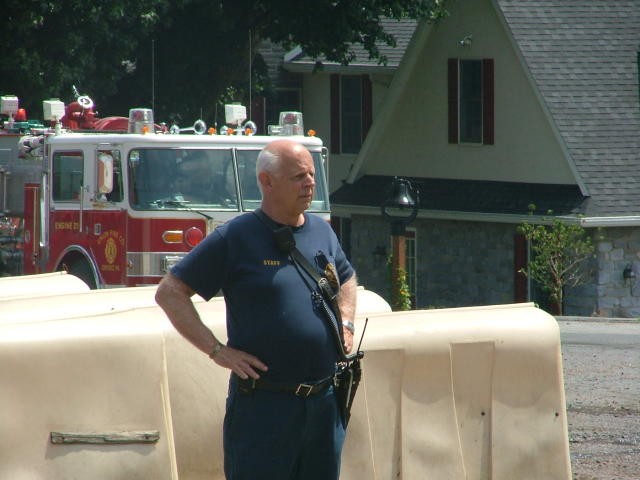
269	309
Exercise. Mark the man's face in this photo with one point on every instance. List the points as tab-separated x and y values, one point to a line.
294	183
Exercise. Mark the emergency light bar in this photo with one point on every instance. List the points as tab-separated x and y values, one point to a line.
235	114
9	105
291	123
141	120
53	109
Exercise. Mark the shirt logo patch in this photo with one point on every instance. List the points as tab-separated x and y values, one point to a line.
271	263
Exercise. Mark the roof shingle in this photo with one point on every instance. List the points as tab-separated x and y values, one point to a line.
583	58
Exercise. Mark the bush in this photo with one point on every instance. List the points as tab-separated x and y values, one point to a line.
558	253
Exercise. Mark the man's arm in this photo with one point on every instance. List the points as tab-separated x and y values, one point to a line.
347	306
174	297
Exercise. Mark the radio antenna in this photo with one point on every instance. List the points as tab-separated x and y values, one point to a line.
364	329
249	116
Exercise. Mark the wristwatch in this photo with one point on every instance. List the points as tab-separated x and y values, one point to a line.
216	350
349	326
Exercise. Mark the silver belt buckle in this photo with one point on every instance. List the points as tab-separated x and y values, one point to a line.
304	390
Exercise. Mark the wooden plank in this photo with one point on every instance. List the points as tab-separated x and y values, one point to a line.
105	438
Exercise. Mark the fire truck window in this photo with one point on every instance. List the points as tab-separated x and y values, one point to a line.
115	194
320	195
201	178
251	196
105	175
67	176
151	173
175	178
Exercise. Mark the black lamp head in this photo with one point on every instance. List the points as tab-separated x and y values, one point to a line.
400	207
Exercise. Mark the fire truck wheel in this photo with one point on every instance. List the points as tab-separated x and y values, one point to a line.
82	270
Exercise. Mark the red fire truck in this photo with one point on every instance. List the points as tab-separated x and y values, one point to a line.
120	208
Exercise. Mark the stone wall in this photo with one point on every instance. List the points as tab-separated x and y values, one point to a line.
459	263
617	296
471	263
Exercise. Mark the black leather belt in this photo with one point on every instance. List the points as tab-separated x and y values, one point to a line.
298	389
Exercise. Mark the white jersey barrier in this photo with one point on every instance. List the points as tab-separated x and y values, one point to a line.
469	393
66	305
40	285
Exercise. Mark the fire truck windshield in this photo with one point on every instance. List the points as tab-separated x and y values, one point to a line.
202	179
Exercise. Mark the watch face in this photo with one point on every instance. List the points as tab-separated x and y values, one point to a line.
215	350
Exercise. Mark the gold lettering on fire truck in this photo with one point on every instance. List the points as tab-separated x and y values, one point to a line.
111	239
66	225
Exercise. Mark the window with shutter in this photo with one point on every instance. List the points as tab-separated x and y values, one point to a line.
471	101
351	112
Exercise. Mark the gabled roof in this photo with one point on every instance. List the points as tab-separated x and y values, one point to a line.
582	57
402	31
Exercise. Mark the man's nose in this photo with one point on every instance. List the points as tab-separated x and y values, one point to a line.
310	181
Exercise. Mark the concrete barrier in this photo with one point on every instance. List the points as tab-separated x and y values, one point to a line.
38	308
40	285
472	393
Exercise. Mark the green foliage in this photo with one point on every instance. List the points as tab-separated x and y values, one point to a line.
559	251
177	56
400	294
329	28
49	46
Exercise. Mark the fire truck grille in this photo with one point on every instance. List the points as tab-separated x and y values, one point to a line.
151	264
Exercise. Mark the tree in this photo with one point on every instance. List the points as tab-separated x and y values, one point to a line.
183	54
559	251
49	46
204	48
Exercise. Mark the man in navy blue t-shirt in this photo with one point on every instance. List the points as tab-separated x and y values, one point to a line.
282	419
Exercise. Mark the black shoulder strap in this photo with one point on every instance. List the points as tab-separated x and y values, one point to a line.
283	236
285	244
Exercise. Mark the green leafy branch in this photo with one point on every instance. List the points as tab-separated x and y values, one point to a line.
559	251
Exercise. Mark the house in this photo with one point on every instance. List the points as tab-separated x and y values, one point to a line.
339	102
503	106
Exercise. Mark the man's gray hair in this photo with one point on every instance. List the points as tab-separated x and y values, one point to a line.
267	161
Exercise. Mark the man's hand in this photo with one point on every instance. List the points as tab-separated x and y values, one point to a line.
174	297
348	339
241	363
347	306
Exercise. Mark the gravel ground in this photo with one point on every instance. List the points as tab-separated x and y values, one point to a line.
602	385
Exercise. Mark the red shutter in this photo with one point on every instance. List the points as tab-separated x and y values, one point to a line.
335	113
367	107
487	102
519	262
452	83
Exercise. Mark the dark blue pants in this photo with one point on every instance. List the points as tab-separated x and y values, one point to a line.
278	436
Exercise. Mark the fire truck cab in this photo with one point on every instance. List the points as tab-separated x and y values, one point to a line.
119	209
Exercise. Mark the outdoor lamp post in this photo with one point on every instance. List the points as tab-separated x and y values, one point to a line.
400	209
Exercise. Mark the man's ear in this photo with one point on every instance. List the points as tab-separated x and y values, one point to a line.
265	179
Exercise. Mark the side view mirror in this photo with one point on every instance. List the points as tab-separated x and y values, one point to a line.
105	175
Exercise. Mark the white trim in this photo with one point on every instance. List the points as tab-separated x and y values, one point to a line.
396	89
291	54
349	210
622	221
587	222
328	68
